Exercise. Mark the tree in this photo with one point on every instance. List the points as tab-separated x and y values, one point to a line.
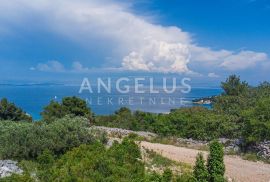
200	171
236	96
9	111
234	87
123	110
215	163
72	106
76	106
53	111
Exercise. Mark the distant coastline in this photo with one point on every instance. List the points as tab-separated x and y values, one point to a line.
32	97
204	100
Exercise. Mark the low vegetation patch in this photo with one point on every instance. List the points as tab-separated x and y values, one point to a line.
28	140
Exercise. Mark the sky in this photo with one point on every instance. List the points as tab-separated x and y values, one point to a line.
65	40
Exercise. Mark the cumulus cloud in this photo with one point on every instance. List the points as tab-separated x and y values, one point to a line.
50	66
136	42
159	56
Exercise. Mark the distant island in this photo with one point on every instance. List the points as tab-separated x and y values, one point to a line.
204	100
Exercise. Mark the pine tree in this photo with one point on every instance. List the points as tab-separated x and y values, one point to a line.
200	171
215	163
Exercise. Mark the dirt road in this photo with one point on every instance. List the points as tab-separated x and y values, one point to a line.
236	168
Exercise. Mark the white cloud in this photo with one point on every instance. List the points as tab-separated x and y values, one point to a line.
78	67
243	60
159	56
136	42
227	60
213	75
207	55
50	66
56	66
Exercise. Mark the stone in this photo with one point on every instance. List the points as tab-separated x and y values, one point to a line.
9	167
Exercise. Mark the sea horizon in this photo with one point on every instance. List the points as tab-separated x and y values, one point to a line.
33	97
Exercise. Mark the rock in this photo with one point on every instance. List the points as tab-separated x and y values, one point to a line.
263	149
123	132
190	141
231	145
9	167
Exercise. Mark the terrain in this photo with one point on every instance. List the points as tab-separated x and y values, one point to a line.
237	169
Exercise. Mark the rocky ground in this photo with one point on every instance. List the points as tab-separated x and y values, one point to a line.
8	167
118	132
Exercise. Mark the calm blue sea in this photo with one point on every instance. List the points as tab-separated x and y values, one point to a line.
32	98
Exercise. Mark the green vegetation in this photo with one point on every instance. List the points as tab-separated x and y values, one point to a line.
93	162
200	171
159	161
215	163
28	140
61	147
72	106
234	87
167	175
250	157
215	169
241	111
8	111
195	122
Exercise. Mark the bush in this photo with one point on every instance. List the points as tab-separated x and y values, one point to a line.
18	178
196	122
29	140
95	163
257	122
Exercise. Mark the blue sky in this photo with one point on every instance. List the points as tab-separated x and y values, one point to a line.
63	41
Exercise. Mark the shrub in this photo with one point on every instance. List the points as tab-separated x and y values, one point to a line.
95	163
257	122
28	140
18	178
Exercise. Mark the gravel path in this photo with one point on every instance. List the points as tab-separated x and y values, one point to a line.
236	168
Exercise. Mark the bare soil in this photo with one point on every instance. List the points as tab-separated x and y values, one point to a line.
237	169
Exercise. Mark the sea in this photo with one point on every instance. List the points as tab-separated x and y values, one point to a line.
32	98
